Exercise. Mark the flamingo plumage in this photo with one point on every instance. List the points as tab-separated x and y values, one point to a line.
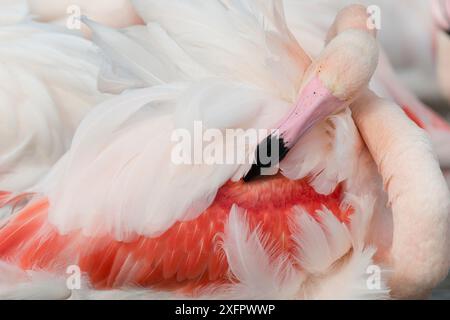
61	84
311	29
361	187
48	83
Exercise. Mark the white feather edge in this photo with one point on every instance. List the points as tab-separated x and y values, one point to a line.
335	256
127	55
260	272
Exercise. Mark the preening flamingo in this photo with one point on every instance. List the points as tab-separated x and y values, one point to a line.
360	185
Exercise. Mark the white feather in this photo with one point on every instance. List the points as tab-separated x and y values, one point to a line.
319	245
334	255
132	61
349	281
261	273
327	154
135	59
239	40
48	83
361	219
16	284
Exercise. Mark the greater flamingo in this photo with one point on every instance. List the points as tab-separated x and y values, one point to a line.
361	187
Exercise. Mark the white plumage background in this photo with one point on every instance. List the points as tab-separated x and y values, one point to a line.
87	180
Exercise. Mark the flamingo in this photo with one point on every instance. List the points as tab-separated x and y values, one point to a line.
48	83
359	187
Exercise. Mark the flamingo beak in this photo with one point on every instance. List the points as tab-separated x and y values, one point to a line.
314	104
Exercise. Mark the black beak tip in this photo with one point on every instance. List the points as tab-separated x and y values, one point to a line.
266	148
255	171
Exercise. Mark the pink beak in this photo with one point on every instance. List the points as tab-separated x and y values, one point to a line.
314	104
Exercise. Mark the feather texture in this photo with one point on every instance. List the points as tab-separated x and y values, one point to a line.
48	84
123	141
260	272
327	153
120	151
335	256
16	284
229	39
